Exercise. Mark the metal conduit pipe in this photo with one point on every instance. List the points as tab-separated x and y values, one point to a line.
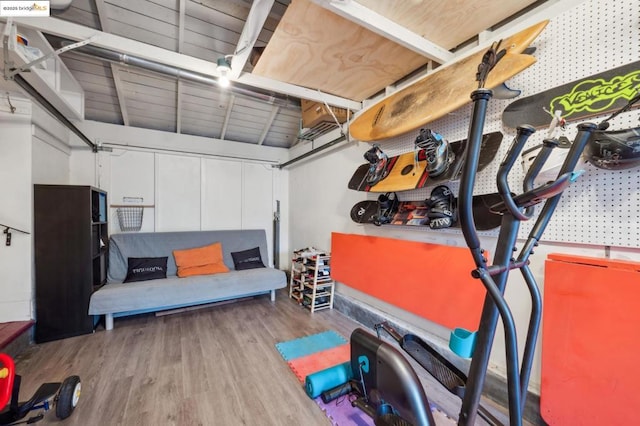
313	151
20	81
180	73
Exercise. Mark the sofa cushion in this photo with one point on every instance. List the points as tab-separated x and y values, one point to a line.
173	291
154	244
200	260
247	259
146	268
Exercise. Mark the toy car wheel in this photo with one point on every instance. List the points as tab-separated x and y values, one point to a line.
68	397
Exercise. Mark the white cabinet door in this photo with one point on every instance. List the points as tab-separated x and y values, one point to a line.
257	200
132	176
177	193
221	194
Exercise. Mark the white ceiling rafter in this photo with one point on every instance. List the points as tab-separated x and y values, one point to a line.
267	126
227	115
181	13
127	46
386	28
179	106
258	14
115	72
298	91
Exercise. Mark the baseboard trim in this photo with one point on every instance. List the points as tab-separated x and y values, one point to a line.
495	386
15	337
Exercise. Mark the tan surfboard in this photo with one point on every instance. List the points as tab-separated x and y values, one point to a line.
441	92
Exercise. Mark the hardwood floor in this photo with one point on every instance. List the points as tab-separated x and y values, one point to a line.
215	366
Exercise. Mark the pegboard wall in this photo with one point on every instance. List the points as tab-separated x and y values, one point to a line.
602	207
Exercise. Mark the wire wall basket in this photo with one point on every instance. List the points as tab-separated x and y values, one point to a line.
130	218
130	213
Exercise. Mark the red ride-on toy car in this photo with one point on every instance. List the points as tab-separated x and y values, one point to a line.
64	396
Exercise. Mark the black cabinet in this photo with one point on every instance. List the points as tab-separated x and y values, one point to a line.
71	236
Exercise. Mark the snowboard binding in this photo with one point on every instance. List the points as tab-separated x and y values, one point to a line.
615	149
378	161
387	207
441	205
436	150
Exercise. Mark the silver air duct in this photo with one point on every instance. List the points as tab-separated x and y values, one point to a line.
180	73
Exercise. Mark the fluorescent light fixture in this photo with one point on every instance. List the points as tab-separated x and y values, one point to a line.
224	68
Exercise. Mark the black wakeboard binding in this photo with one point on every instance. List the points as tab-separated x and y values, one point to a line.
387	207
378	161
436	149
441	205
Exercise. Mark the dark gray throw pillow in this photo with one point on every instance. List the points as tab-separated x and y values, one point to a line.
146	268
247	259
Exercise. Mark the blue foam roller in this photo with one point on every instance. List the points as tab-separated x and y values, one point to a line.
328	378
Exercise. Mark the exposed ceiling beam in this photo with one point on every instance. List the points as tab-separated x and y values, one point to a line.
253	25
386	28
179	106
232	99
181	14
267	126
183	6
127	46
115	72
298	91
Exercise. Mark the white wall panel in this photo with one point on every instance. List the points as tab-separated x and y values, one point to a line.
50	164
82	167
221	194
257	200
16	210
132	176
177	193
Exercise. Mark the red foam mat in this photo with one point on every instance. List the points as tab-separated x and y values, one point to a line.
318	361
429	280
589	344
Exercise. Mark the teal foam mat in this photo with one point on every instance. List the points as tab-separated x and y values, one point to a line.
308	345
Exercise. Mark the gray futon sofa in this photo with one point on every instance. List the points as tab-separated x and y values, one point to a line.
116	298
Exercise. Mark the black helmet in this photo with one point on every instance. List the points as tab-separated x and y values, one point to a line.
614	150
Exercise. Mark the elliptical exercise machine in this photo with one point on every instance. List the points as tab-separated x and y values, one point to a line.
390	389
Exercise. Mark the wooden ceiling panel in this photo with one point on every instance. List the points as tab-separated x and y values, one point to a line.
446	23
315	48
81	12
102	115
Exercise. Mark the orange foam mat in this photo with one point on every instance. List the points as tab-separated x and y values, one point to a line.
589	344
318	361
429	280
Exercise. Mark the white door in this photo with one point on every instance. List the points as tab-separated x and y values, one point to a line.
177	193
221	194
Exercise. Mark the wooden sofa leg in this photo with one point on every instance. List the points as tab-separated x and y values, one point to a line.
273	295
108	321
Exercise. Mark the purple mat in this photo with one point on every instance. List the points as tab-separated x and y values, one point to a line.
341	413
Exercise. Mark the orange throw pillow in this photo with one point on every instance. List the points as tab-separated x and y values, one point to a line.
200	260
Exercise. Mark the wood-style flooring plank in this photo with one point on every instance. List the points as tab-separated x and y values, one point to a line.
215	366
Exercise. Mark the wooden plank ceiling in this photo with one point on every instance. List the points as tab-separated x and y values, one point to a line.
316	48
447	23
306	46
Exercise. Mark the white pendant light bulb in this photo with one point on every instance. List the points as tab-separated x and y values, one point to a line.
223	69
